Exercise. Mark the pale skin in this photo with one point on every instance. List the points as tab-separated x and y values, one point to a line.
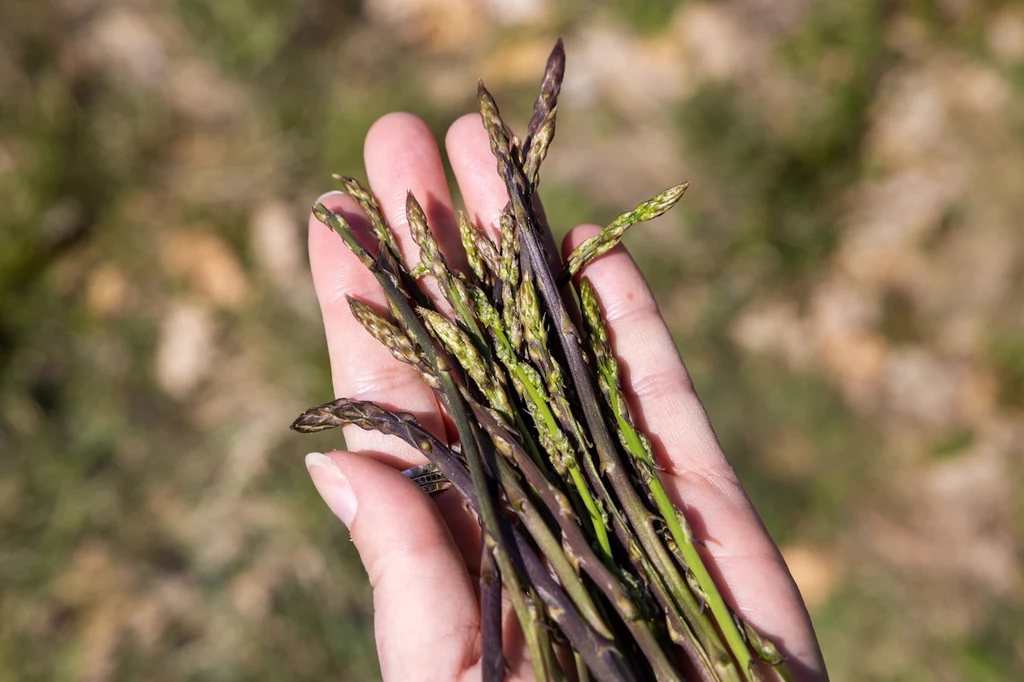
422	553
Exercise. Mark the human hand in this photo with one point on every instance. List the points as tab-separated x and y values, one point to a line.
422	554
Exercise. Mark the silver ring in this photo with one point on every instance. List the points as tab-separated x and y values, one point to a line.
429	478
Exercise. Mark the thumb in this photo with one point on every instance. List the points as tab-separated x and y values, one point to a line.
423	598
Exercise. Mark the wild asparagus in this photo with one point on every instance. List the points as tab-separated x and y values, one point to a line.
576	525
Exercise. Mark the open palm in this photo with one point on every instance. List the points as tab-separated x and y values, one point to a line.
422	554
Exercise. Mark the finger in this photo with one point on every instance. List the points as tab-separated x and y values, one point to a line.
361	367
475	168
426	620
662	399
401	157
483	190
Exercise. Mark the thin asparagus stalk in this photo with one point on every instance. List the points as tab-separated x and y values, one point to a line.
492	660
606	239
545	637
535	336
684	615
539	616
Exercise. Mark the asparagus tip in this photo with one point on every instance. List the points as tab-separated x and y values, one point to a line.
313	420
555	67
321	212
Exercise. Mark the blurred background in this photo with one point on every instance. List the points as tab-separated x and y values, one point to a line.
845	279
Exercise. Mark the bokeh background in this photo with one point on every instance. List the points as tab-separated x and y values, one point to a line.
845	279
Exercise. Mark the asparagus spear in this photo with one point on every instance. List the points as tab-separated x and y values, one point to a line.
606	239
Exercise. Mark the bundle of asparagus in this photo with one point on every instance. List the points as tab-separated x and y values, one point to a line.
577	527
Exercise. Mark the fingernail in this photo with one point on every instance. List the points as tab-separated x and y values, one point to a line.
326	195
332	486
